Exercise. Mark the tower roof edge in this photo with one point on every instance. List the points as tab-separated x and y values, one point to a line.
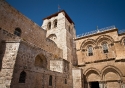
55	14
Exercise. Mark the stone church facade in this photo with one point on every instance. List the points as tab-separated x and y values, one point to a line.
51	56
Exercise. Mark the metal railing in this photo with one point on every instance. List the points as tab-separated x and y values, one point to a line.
121	31
96	31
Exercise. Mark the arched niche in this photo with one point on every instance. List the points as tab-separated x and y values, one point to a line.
40	61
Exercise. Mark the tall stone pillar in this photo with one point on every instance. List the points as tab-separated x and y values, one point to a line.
7	60
77	78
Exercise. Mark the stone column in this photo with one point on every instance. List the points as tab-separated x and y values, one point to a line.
77	78
101	85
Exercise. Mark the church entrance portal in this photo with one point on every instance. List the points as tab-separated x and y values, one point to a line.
94	84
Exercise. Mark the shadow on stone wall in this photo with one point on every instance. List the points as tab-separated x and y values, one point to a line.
85	83
2	52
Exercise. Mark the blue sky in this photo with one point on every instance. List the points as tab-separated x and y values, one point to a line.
86	14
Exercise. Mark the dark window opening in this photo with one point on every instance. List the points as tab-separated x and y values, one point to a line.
94	84
22	77
50	80
105	51
55	23
17	32
65	81
49	26
90	54
105	47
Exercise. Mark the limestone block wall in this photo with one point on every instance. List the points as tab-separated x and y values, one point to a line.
58	31
121	47
115	47
8	55
64	33
59	65
30	31
78	81
108	73
105	68
9	45
36	76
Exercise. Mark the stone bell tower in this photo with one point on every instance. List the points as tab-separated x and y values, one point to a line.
60	29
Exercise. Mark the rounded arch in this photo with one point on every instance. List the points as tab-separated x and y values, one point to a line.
87	42
17	31
52	37
122	40
40	61
89	69
105	38
92	74
109	71
55	23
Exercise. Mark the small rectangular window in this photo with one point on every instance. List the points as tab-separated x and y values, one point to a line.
90	54
50	80
105	51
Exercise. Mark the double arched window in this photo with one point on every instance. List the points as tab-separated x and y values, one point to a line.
17	32
105	47
90	50
54	24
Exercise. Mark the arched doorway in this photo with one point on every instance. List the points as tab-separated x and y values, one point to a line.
111	76
93	78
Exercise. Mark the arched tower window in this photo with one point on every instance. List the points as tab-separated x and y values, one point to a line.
49	26
55	23
90	51
40	61
50	80
22	77
105	47
17	32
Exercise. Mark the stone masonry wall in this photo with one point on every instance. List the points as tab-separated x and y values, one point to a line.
36	77
7	60
10	19
105	68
